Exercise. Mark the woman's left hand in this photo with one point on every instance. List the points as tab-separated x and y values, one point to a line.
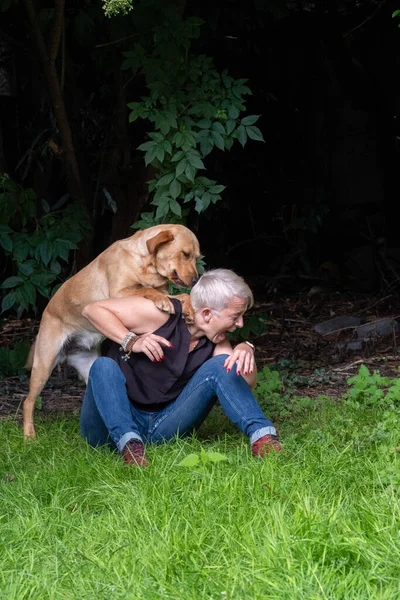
243	356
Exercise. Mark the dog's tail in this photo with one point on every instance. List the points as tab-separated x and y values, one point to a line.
29	360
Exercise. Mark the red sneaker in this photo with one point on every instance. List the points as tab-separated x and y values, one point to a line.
134	454
265	444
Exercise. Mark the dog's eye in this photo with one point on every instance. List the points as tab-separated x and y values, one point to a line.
186	254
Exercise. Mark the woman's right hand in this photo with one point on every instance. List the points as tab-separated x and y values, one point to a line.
152	346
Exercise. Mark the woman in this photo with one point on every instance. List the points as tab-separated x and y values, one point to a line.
162	376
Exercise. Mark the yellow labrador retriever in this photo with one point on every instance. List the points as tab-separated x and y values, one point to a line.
142	264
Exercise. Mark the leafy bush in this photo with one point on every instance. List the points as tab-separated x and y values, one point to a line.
12	360
193	109
37	242
256	324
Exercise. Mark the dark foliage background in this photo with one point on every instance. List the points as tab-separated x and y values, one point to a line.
317	203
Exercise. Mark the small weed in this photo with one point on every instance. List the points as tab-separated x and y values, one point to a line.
371	389
202	460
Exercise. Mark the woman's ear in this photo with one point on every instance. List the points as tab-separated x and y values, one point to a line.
206	314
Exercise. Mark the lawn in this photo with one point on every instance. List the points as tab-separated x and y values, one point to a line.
321	520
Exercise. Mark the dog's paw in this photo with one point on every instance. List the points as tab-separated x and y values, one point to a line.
187	309
188	319
29	431
163	303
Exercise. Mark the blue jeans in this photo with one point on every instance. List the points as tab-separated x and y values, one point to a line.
108	417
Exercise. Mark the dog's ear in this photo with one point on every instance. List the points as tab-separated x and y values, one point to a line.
161	238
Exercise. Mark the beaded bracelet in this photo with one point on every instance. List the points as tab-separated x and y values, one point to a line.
127	344
129	336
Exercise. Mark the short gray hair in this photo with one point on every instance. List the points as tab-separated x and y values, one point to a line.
216	288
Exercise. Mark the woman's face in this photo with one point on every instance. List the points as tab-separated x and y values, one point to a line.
215	324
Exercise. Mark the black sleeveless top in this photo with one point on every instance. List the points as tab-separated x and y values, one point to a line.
153	385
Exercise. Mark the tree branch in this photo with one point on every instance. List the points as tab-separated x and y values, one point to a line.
56	29
53	83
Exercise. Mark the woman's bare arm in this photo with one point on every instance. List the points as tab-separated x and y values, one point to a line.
116	317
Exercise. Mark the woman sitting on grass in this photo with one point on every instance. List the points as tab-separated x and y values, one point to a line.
162	376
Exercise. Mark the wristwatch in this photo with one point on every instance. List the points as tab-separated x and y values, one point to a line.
251	346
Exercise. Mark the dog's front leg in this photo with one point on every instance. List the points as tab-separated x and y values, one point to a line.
160	300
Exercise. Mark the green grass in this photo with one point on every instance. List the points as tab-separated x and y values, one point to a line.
75	523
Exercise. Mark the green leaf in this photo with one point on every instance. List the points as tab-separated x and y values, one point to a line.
6	242
216	457
167	146
29	292
178	139
190	172
205	181
217	126
206	198
159	153
177	156
165	179
175	207
255	134
11	282
188	197
46	251
27	267
199	205
233	112
195	160
189	143
204	124
163	125
175	188
161	197
203	456
206	145
158	137
242	135
146	146
218	139
191	460
250	120
21	250
396	13
180	167
183	179
8	301
132	117
21	300
150	155
230	126
217	189
162	210
55	267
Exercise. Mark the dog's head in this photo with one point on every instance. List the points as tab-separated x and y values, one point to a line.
175	250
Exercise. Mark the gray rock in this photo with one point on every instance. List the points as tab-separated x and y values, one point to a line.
380	327
336	324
